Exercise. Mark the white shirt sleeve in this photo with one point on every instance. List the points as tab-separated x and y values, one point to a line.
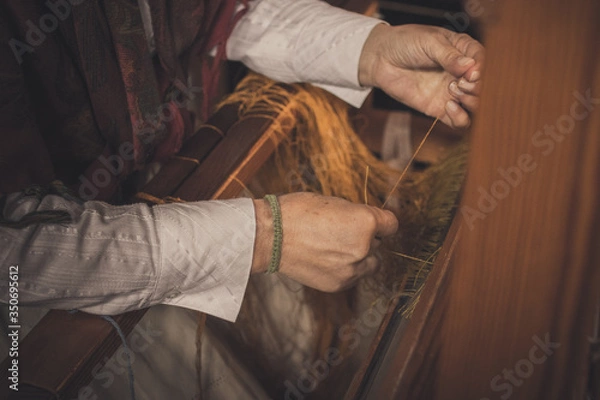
304	41
113	259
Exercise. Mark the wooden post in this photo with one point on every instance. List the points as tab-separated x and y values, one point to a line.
526	273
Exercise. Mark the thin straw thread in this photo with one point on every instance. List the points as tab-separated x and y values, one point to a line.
410	162
410	257
428	262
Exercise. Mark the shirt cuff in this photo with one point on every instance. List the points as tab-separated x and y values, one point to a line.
304	41
354	97
207	250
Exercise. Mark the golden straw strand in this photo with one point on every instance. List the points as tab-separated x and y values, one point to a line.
427	261
410	257
235	178
171	199
187	159
150	198
410	162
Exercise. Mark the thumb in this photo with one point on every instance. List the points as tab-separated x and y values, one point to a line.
387	223
448	56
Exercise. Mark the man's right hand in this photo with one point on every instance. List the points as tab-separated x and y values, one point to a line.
328	242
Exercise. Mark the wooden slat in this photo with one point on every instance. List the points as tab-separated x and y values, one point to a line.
249	164
176	170
224	159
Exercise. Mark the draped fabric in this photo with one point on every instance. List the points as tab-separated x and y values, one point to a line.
82	99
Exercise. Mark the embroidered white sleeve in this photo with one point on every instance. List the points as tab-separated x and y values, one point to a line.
304	41
114	259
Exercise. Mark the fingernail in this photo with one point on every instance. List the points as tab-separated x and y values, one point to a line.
465	61
454	89
465	85
452	106
474	76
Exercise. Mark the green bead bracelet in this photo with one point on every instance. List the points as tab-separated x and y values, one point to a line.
278	237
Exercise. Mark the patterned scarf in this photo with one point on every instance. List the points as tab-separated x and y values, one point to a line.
82	98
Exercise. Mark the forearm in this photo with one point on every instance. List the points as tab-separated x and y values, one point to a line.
114	259
304	41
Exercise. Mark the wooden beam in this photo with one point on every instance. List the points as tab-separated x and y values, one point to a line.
407	346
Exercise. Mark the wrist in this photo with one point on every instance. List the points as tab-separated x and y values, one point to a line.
371	55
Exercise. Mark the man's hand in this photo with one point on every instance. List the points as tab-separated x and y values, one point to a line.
327	241
431	69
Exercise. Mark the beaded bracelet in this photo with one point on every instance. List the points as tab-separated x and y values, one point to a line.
278	238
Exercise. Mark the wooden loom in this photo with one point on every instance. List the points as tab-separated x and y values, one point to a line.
527	267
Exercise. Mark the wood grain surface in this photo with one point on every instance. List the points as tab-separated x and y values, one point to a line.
525	275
